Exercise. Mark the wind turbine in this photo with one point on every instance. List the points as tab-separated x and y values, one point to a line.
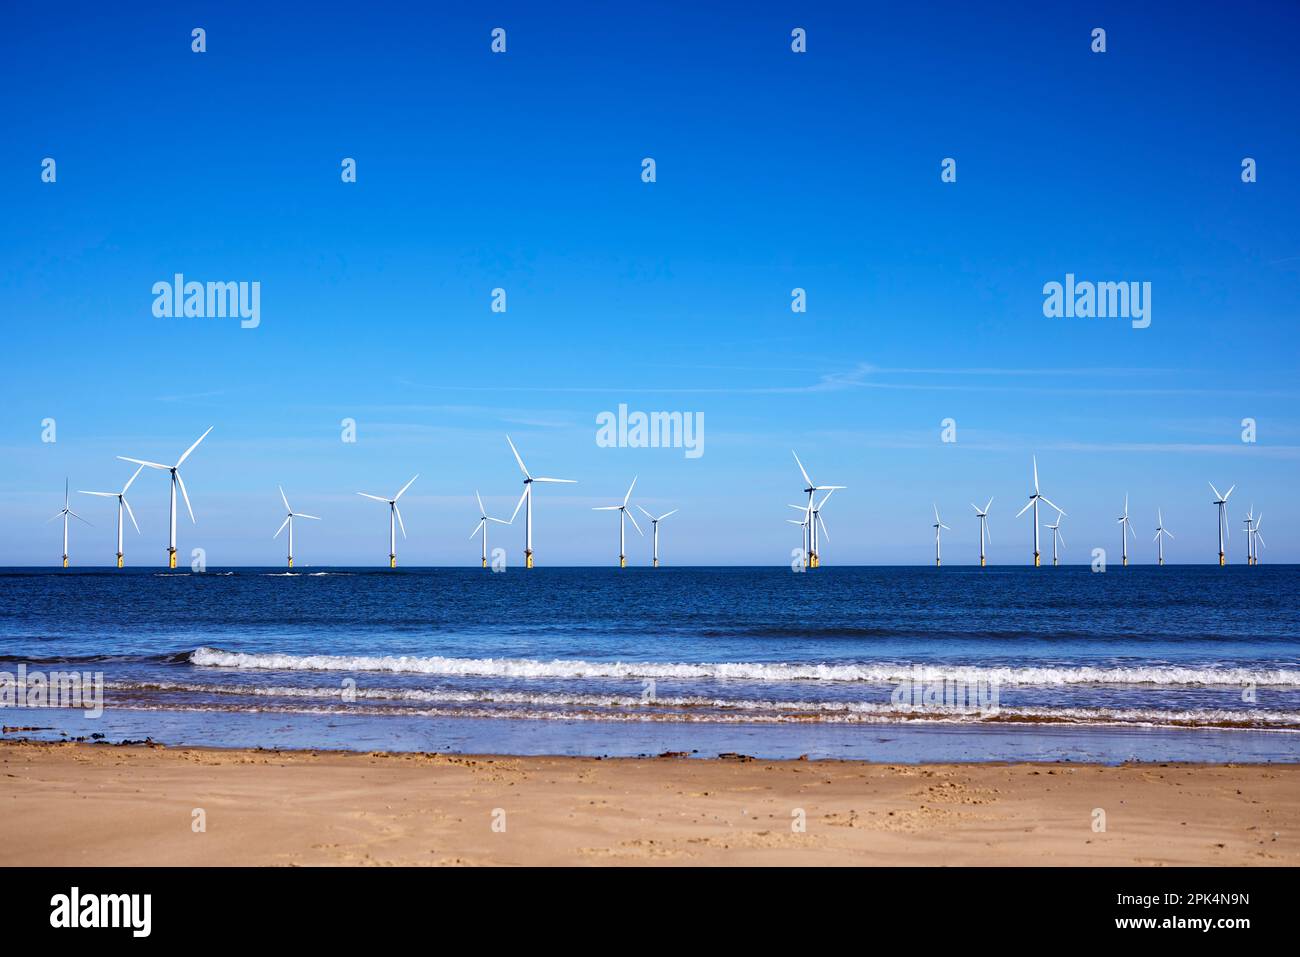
803	530
813	560
1161	532
1056	536
1125	531
175	481
483	520
1034	499
1249	522
64	513
393	513
122	503
983	516
1259	539
1222	502
938	556
622	513
527	499
289	521
654	526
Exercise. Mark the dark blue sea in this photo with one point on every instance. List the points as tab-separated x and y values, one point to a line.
889	664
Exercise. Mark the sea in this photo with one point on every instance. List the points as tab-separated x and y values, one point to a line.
896	665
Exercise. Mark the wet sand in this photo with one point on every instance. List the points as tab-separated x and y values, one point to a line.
98	804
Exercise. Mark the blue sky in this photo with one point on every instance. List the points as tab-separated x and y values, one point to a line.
774	171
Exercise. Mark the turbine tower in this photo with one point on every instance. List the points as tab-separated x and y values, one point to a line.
622	526
122	503
483	519
393	513
1222	502
176	480
813	560
288	521
1125	531
1035	497
1259	539
803	531
1161	532
64	513
983	516
527	500
1249	522
938	555
654	532
1056	537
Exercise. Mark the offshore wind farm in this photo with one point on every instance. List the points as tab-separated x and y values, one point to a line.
474	362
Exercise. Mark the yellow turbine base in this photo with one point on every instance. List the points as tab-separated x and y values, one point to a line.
655	564
937	563
622	561
65	561
1037	562
1161	562
485	563
981	561
119	561
392	561
1222	560
814	561
528	559
171	558
1124	561
291	561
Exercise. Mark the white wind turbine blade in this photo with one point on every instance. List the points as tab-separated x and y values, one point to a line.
375	497
283	499
194	446
58	514
406	486
988	506
792	521
823	502
801	468
822	523
606	508
1126	505
976	507
481	523
517	458
666	514
942	525
629	491
802	508
1260	538
559	481
132	479
632	518
1053	504
1062	537
1169	533
1025	509
152	465
315	518
1228	492
1217	496
481	509
181	482
281	528
101	494
647	514
398	512
1035	473
987	534
936	513
78	517
519	504
131	513
499	521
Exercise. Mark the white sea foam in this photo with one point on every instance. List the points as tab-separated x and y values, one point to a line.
875	672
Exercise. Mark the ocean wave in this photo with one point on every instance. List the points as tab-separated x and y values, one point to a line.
876	672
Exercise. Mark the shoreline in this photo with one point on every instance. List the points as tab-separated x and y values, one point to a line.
130	804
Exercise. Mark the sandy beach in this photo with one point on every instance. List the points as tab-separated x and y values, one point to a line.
86	804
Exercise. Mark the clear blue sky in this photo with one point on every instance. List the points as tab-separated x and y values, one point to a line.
775	170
